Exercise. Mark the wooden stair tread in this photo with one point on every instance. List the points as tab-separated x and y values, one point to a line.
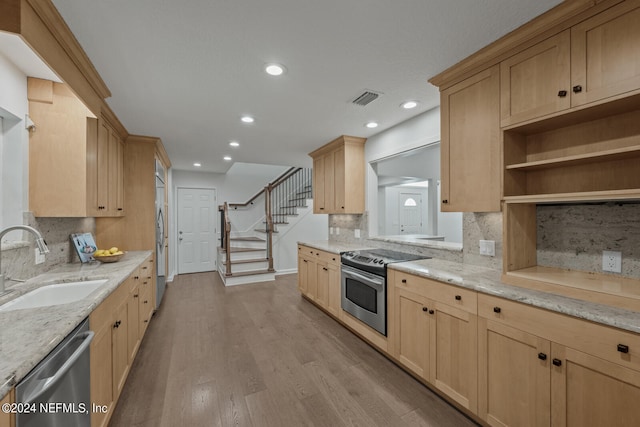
248	239
262	230
246	261
238	249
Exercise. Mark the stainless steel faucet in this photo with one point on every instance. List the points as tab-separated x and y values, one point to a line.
40	243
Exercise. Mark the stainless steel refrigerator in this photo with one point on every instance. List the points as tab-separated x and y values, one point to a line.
160	236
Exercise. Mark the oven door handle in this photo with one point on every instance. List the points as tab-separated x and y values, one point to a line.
365	279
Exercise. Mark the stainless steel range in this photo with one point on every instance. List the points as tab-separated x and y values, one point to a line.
364	284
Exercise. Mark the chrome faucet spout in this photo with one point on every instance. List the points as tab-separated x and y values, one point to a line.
40	243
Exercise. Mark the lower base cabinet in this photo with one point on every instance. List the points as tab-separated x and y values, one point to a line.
319	278
433	333
504	362
7	419
116	323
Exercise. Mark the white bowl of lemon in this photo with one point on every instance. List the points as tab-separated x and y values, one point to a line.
108	255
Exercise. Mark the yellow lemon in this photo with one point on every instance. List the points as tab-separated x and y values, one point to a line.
113	250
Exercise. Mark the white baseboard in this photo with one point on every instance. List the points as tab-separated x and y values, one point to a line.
287	271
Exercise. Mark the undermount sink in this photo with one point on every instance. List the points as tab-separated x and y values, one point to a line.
55	294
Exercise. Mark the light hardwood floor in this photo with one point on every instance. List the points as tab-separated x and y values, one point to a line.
261	355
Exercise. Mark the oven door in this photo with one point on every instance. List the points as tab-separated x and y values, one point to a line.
364	296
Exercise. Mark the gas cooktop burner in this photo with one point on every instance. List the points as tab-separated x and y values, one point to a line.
376	260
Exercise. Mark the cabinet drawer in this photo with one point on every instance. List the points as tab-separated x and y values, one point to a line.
329	257
448	294
611	344
307	251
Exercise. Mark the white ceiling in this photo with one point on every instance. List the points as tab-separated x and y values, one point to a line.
187	71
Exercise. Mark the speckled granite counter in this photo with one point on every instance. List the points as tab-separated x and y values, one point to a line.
28	335
333	247
488	281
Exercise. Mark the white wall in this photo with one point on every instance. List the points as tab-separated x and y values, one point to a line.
14	146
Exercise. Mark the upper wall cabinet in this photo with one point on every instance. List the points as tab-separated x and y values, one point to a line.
75	160
536	81
470	145
594	61
338	176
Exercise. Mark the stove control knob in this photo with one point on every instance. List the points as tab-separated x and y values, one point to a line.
381	262
375	260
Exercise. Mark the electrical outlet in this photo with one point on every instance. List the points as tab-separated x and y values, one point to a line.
488	247
39	257
337	231
612	261
356	233
330	230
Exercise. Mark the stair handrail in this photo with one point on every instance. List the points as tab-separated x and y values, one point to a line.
277	181
227	239
269	225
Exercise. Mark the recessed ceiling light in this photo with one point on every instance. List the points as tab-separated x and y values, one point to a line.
197	165
372	125
409	105
247	119
234	144
227	158
274	69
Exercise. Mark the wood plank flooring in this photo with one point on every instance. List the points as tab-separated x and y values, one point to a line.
261	355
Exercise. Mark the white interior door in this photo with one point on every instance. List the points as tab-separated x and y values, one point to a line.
410	213
196	230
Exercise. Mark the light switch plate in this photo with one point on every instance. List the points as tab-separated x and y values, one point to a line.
330	230
337	231
356	233
488	247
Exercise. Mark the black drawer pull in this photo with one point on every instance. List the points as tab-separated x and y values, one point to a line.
425	309
431	311
404	280
324	268
557	362
497	309
577	89
458	297
562	93
542	356
445	201
623	348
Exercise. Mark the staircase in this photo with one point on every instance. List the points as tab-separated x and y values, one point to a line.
246	256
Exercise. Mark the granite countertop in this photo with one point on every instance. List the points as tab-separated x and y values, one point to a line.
422	241
28	335
487	281
333	247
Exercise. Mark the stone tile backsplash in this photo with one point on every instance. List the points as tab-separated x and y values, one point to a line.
19	262
574	236
568	236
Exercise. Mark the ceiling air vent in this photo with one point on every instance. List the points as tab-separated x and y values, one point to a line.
365	98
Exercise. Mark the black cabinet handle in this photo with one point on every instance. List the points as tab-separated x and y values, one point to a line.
431	311
557	362
623	348
577	89
497	309
542	356
119	209
146	321
458	297
324	268
445	201
404	280
425	309
145	301
135	295
562	93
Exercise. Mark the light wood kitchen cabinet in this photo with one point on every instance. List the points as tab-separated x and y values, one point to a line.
433	333
119	323
564	371
411	331
7	419
110	171
536	81
319	278
70	163
605	55
338	171
470	144
587	390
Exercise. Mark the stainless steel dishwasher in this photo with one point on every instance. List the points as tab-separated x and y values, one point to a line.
57	391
